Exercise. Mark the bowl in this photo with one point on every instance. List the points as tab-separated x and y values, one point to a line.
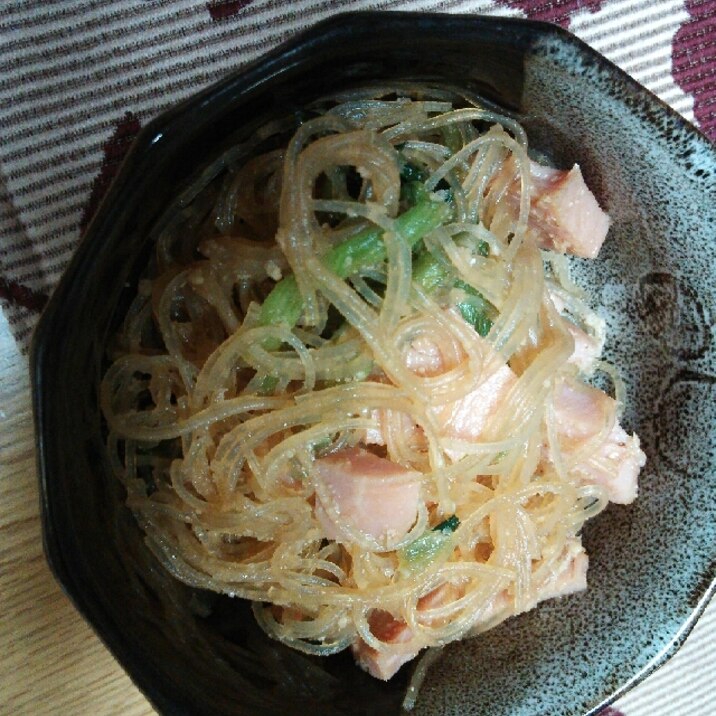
653	563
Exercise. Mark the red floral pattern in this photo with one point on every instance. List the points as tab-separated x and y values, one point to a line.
557	11
694	61
222	9
22	296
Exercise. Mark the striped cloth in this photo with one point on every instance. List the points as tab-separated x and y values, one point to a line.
78	78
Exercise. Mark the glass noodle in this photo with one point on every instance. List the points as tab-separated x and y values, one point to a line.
217	417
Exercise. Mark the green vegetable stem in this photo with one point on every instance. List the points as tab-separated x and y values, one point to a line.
283	306
430	546
431	274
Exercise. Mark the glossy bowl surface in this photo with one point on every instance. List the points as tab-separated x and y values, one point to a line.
652	563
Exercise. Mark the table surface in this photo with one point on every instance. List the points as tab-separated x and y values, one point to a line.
51	661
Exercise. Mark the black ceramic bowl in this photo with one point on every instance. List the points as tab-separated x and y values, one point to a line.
652	567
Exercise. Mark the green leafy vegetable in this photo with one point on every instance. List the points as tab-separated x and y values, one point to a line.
283	306
429	547
262	384
475	308
451	137
413	192
410	172
449	525
432	274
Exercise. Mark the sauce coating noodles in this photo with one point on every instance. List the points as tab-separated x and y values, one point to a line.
349	389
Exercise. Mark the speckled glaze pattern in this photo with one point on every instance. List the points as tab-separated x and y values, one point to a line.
655	280
652	564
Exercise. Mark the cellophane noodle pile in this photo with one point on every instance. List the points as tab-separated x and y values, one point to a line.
221	402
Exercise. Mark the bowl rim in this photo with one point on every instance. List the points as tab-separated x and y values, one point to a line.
249	76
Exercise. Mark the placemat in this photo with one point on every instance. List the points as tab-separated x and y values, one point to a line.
78	79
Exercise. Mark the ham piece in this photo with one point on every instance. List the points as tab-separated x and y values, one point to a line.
369	494
570	577
564	215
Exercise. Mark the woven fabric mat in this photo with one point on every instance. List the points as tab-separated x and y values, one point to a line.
78	78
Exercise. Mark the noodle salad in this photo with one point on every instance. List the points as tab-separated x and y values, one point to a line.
354	385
